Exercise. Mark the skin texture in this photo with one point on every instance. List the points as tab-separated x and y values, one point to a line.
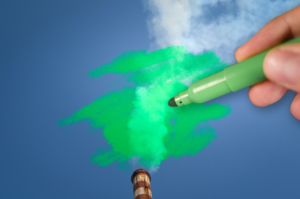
281	65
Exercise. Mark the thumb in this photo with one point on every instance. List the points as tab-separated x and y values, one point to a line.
282	66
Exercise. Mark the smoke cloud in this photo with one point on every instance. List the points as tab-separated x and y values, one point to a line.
217	25
137	123
139	126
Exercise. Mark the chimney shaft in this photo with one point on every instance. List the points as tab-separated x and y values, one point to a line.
141	184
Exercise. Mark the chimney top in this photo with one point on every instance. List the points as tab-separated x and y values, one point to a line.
138	171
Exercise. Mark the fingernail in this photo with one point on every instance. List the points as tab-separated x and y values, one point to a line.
282	66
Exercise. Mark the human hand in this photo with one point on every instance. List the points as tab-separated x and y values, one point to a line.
281	65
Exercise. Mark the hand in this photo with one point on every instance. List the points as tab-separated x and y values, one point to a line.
281	65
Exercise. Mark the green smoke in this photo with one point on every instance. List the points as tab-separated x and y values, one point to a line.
137	121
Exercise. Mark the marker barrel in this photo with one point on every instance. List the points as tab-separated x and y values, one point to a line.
231	79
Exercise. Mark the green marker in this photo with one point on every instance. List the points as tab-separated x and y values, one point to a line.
231	79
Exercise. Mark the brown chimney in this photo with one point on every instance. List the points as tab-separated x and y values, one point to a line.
141	184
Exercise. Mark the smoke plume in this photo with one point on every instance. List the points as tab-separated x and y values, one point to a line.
217	25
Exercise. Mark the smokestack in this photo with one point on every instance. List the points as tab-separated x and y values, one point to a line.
141	184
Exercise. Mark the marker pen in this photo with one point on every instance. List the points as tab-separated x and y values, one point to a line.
233	78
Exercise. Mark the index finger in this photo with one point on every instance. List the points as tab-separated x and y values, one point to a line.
277	31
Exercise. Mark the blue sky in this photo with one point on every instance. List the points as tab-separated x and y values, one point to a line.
47	49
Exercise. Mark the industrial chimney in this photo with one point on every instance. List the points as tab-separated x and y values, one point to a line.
141	184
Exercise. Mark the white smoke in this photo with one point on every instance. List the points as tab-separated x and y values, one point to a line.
217	25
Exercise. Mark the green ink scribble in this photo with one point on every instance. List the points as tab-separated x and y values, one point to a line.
137	122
